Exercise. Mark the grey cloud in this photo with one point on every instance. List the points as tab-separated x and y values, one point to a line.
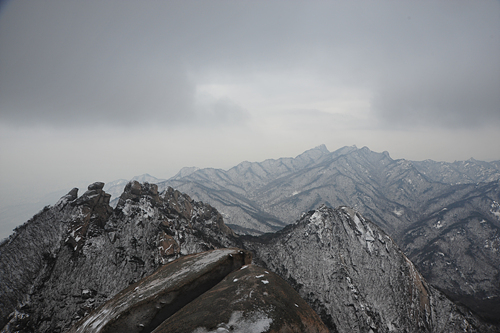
127	61
452	77
224	111
78	71
441	97
325	121
84	100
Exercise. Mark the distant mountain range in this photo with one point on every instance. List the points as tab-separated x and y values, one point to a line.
445	216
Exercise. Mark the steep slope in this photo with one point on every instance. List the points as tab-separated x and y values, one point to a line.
75	255
144	305
457	247
402	197
79	253
251	299
178	298
355	276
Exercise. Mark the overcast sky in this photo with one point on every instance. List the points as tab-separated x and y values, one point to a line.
102	90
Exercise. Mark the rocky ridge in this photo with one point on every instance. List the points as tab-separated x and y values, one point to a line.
76	255
212	291
433	210
249	299
355	276
73	256
141	307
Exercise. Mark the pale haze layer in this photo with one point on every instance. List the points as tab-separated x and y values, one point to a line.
103	90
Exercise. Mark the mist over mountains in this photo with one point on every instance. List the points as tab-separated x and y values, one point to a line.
435	223
267	194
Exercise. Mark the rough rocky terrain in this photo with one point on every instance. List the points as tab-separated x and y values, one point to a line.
143	306
78	254
355	276
75	255
251	299
213	291
435	211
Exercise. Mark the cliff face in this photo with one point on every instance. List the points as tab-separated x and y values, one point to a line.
73	256
355	276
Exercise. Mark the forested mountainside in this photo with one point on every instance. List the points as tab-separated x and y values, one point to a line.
445	216
78	254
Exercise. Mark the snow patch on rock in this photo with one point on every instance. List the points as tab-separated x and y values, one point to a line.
255	322
398	212
495	209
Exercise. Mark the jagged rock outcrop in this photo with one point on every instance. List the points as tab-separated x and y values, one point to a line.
92	212
75	255
355	276
78	254
29	256
146	304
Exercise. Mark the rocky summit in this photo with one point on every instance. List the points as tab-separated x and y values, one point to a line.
144	305
73	256
249	299
80	265
355	276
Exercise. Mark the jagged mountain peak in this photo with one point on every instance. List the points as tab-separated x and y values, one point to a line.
370	156
355	275
345	267
72	256
321	149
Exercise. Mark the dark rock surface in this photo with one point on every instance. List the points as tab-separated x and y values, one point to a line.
142	306
208	291
251	299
